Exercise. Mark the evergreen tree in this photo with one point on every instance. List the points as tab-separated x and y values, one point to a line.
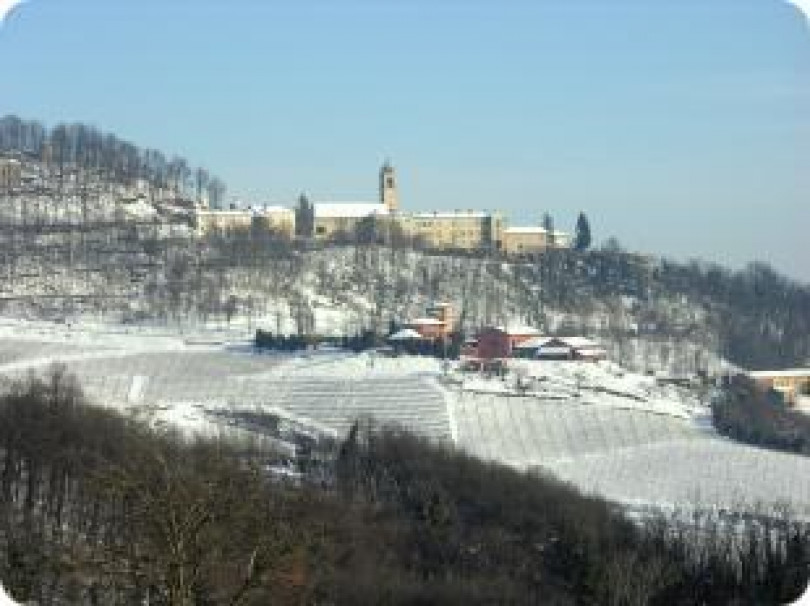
582	240
548	225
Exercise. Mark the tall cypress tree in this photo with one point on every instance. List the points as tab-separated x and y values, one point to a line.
583	233
548	225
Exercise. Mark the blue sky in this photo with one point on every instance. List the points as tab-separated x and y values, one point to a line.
682	128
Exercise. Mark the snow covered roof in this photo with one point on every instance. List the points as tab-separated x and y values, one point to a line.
470	214
595	352
535	229
580	342
554	351
224	213
406	334
525	230
424	322
240	212
787	373
274	209
349	210
518	330
534	343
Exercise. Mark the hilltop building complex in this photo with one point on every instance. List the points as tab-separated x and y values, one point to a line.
383	221
276	219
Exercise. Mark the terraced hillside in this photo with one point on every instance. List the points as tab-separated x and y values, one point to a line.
216	378
407	401
526	432
597	441
629	456
705	472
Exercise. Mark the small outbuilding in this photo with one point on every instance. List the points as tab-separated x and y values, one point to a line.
406	334
560	348
500	341
436	324
793	384
428	328
410	341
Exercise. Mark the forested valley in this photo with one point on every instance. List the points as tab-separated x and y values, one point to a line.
97	509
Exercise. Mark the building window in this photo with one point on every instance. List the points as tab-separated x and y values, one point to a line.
320	230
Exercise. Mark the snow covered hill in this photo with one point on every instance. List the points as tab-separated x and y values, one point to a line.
605	429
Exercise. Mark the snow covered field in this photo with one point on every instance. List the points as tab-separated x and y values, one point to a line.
190	380
608	431
630	456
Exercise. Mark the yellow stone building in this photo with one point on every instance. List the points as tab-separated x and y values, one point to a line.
348	220
275	219
383	221
279	220
532	240
459	230
352	221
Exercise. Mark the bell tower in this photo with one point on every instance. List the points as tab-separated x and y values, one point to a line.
388	187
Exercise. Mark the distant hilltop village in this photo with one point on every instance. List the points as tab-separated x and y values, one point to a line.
384	222
381	222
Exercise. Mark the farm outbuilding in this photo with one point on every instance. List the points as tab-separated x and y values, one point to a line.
428	328
560	348
437	324
406	334
500	342
793	384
